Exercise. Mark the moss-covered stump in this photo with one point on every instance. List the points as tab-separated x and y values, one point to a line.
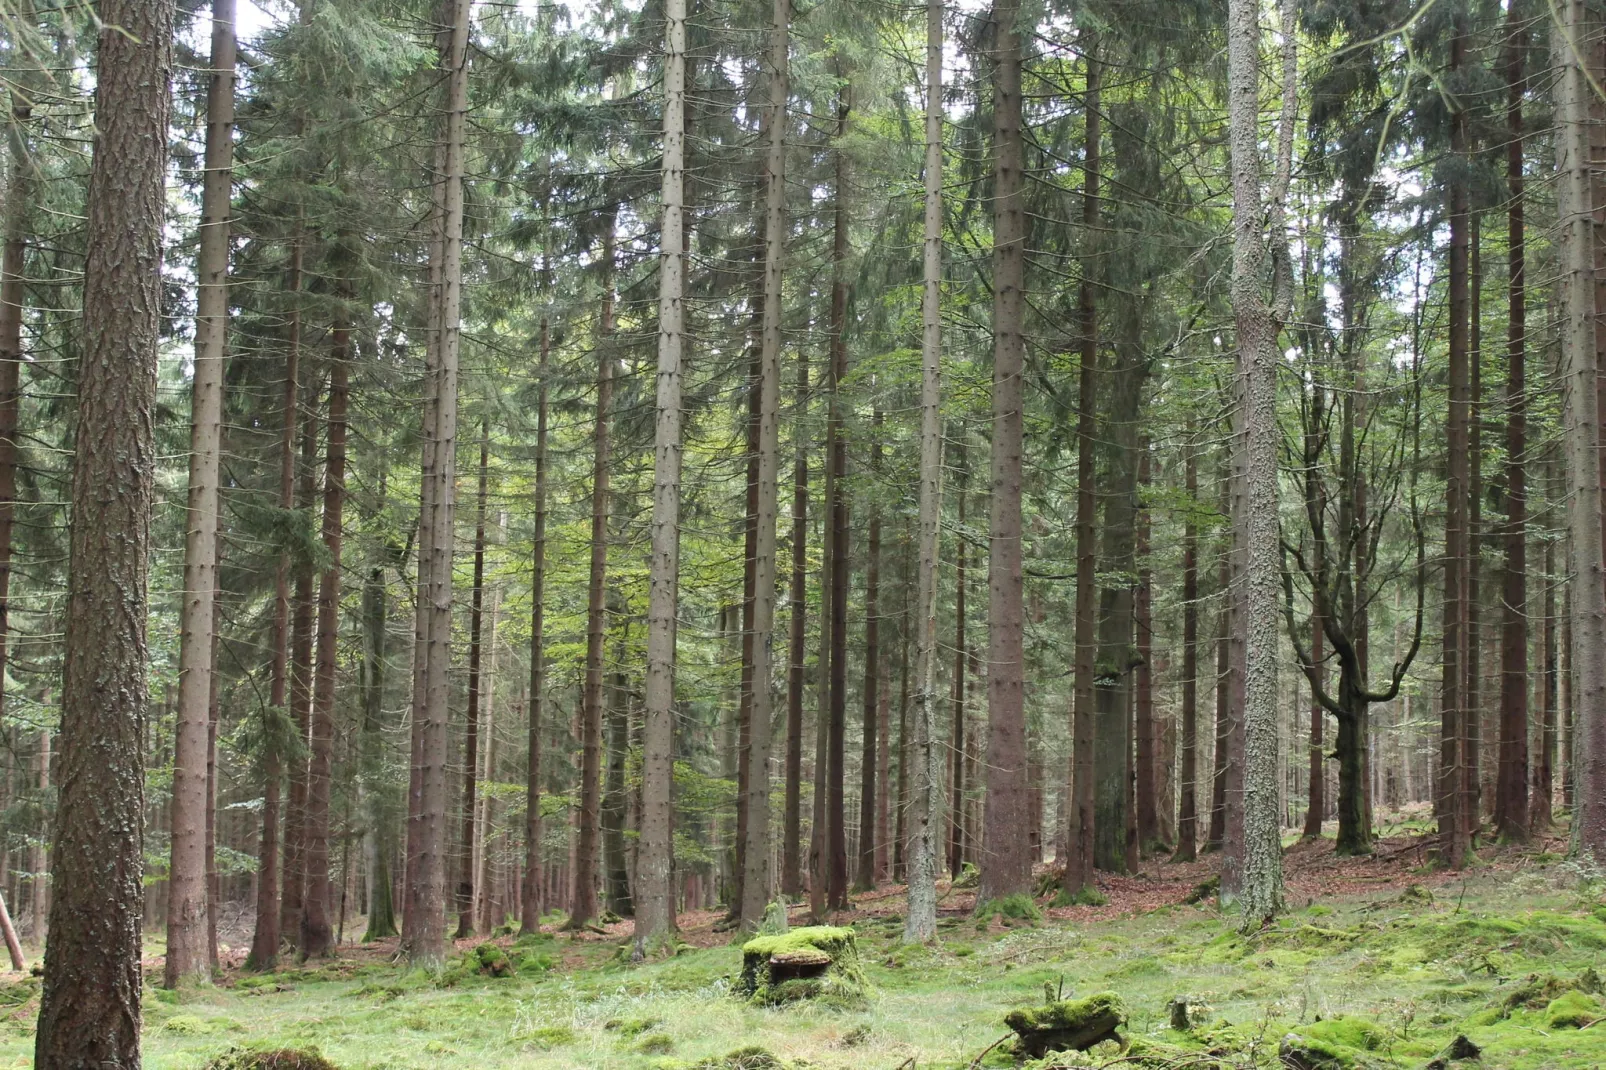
1335	1044
818	960
1067	1025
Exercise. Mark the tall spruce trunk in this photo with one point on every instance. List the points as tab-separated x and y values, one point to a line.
1511	794
302	628
1587	602
1455	825
1148	777
1188	778
1260	885
530	891
424	916
655	885
920	924
264	954
471	734
1078	866
756	860
1007	868
956	735
187	954
317	936
869	786
797	649
836	844
583	898
1316	810
89	1013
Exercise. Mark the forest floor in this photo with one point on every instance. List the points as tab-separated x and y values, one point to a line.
1379	963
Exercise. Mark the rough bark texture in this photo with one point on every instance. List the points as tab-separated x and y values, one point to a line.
869	786
920	924
797	649
1006	864
188	957
1455	824
1511	795
471	733
583	897
1147	779
424	916
1260	887
317	935
1317	803
1587	611
264	953
1188	804
756	882
530	890
89	1013
1079	859
836	844
655	899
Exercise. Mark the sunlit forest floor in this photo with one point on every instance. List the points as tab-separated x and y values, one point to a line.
1379	963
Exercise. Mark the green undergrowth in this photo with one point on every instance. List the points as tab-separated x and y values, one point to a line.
1511	961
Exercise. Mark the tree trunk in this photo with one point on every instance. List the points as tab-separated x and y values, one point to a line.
869	786
530	893
302	624
187	957
655	917
1080	832
1260	885
1455	824
1511	803
1317	808
836	844
792	836
1008	868
316	933
471	737
424	917
611	823
1188	805
920	925
756	882
1587	610
1148	779
264	953
583	900
89	1013
956	737
1540	815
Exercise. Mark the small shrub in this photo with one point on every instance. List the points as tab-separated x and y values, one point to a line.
656	1044
274	1059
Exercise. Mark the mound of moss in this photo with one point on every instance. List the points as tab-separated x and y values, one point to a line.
275	1059
808	963
1335	1044
1067	1025
749	1058
1572	1010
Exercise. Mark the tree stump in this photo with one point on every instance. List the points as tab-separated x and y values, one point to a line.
1067	1025
818	960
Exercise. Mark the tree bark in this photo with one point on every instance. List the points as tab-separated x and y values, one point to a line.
89	1013
583	899
1007	868
655	920
530	893
264	954
792	835
471	735
869	785
756	882
1148	775
920	924
1260	888
1316	810
317	937
1188	804
1587	611
836	844
424	917
1080	833
1511	801
956	737
187	956
1455	824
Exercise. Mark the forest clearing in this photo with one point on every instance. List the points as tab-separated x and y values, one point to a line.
726	534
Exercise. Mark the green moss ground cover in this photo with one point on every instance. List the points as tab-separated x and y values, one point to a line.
1512	960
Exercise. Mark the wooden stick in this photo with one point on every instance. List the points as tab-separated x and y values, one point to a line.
11	937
